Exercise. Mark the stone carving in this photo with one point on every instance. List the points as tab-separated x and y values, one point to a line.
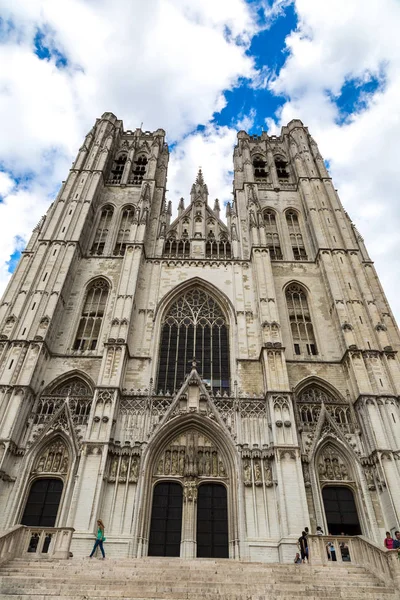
124	467
331	467
247	472
53	459
260	469
191	454
190	490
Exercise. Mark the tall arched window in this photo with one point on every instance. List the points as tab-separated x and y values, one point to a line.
218	249
74	391
260	168
118	169
271	231
194	327
138	170
102	230
87	336
296	239
124	230
300	321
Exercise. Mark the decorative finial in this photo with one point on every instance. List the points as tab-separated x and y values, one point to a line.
194	363
200	178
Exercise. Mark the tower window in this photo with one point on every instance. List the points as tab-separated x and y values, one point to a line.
194	326
124	230
102	231
218	249
92	316
300	321
138	170
272	235
174	248
296	239
118	169
260	168
281	168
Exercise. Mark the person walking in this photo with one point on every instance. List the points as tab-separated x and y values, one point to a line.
388	541
303	542
99	539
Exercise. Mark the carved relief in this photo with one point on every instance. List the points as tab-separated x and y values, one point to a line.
54	458
191	454
257	471
124	466
331	466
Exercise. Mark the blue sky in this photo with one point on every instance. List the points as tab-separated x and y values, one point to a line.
201	70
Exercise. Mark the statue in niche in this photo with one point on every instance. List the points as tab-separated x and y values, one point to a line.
190	491
370	479
222	471
64	465
114	468
321	470
160	467
124	468
167	464
214	464
257	472
200	462
133	476
328	469
190	462
207	466
57	462
181	462
267	473
344	473
49	461
247	472
174	469
336	468
40	466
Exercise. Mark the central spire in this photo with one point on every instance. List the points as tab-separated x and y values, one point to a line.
199	188
200	178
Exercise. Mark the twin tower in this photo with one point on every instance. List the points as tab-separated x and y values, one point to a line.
206	386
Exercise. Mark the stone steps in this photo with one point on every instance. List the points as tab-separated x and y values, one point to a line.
178	579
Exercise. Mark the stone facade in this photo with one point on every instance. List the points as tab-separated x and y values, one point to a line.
307	391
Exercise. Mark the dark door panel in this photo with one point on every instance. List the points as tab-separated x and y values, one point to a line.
166	520
43	502
340	510
212	521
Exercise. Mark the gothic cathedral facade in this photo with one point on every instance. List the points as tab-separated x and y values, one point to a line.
206	387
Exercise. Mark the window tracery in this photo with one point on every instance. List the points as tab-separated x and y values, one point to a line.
74	391
218	249
194	326
102	230
296	239
281	168
272	235
92	316
309	404
300	321
124	231
54	458
176	248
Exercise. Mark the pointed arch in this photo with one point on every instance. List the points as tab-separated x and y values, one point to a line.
159	443
301	327
295	234
93	310
194	325
73	387
102	230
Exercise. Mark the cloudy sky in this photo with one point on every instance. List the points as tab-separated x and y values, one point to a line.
202	69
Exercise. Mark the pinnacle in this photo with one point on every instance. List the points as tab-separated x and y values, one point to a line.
200	178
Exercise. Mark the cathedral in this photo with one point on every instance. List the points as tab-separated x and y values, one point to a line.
206	386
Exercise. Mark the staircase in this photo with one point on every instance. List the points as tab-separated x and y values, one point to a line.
178	579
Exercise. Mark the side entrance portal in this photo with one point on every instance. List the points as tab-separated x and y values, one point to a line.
43	502
340	510
212	521
166	520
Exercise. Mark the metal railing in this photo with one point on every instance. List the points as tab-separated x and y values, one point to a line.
38	542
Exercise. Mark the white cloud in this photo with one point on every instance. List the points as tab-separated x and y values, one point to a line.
164	63
337	41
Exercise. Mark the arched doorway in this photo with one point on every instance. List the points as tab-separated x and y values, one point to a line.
166	520
340	510
212	521
43	501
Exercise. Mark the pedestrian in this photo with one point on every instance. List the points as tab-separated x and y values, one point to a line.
331	550
319	530
100	539
297	559
388	542
303	546
396	541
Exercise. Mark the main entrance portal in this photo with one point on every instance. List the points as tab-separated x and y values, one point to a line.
42	504
166	520
212	521
340	510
